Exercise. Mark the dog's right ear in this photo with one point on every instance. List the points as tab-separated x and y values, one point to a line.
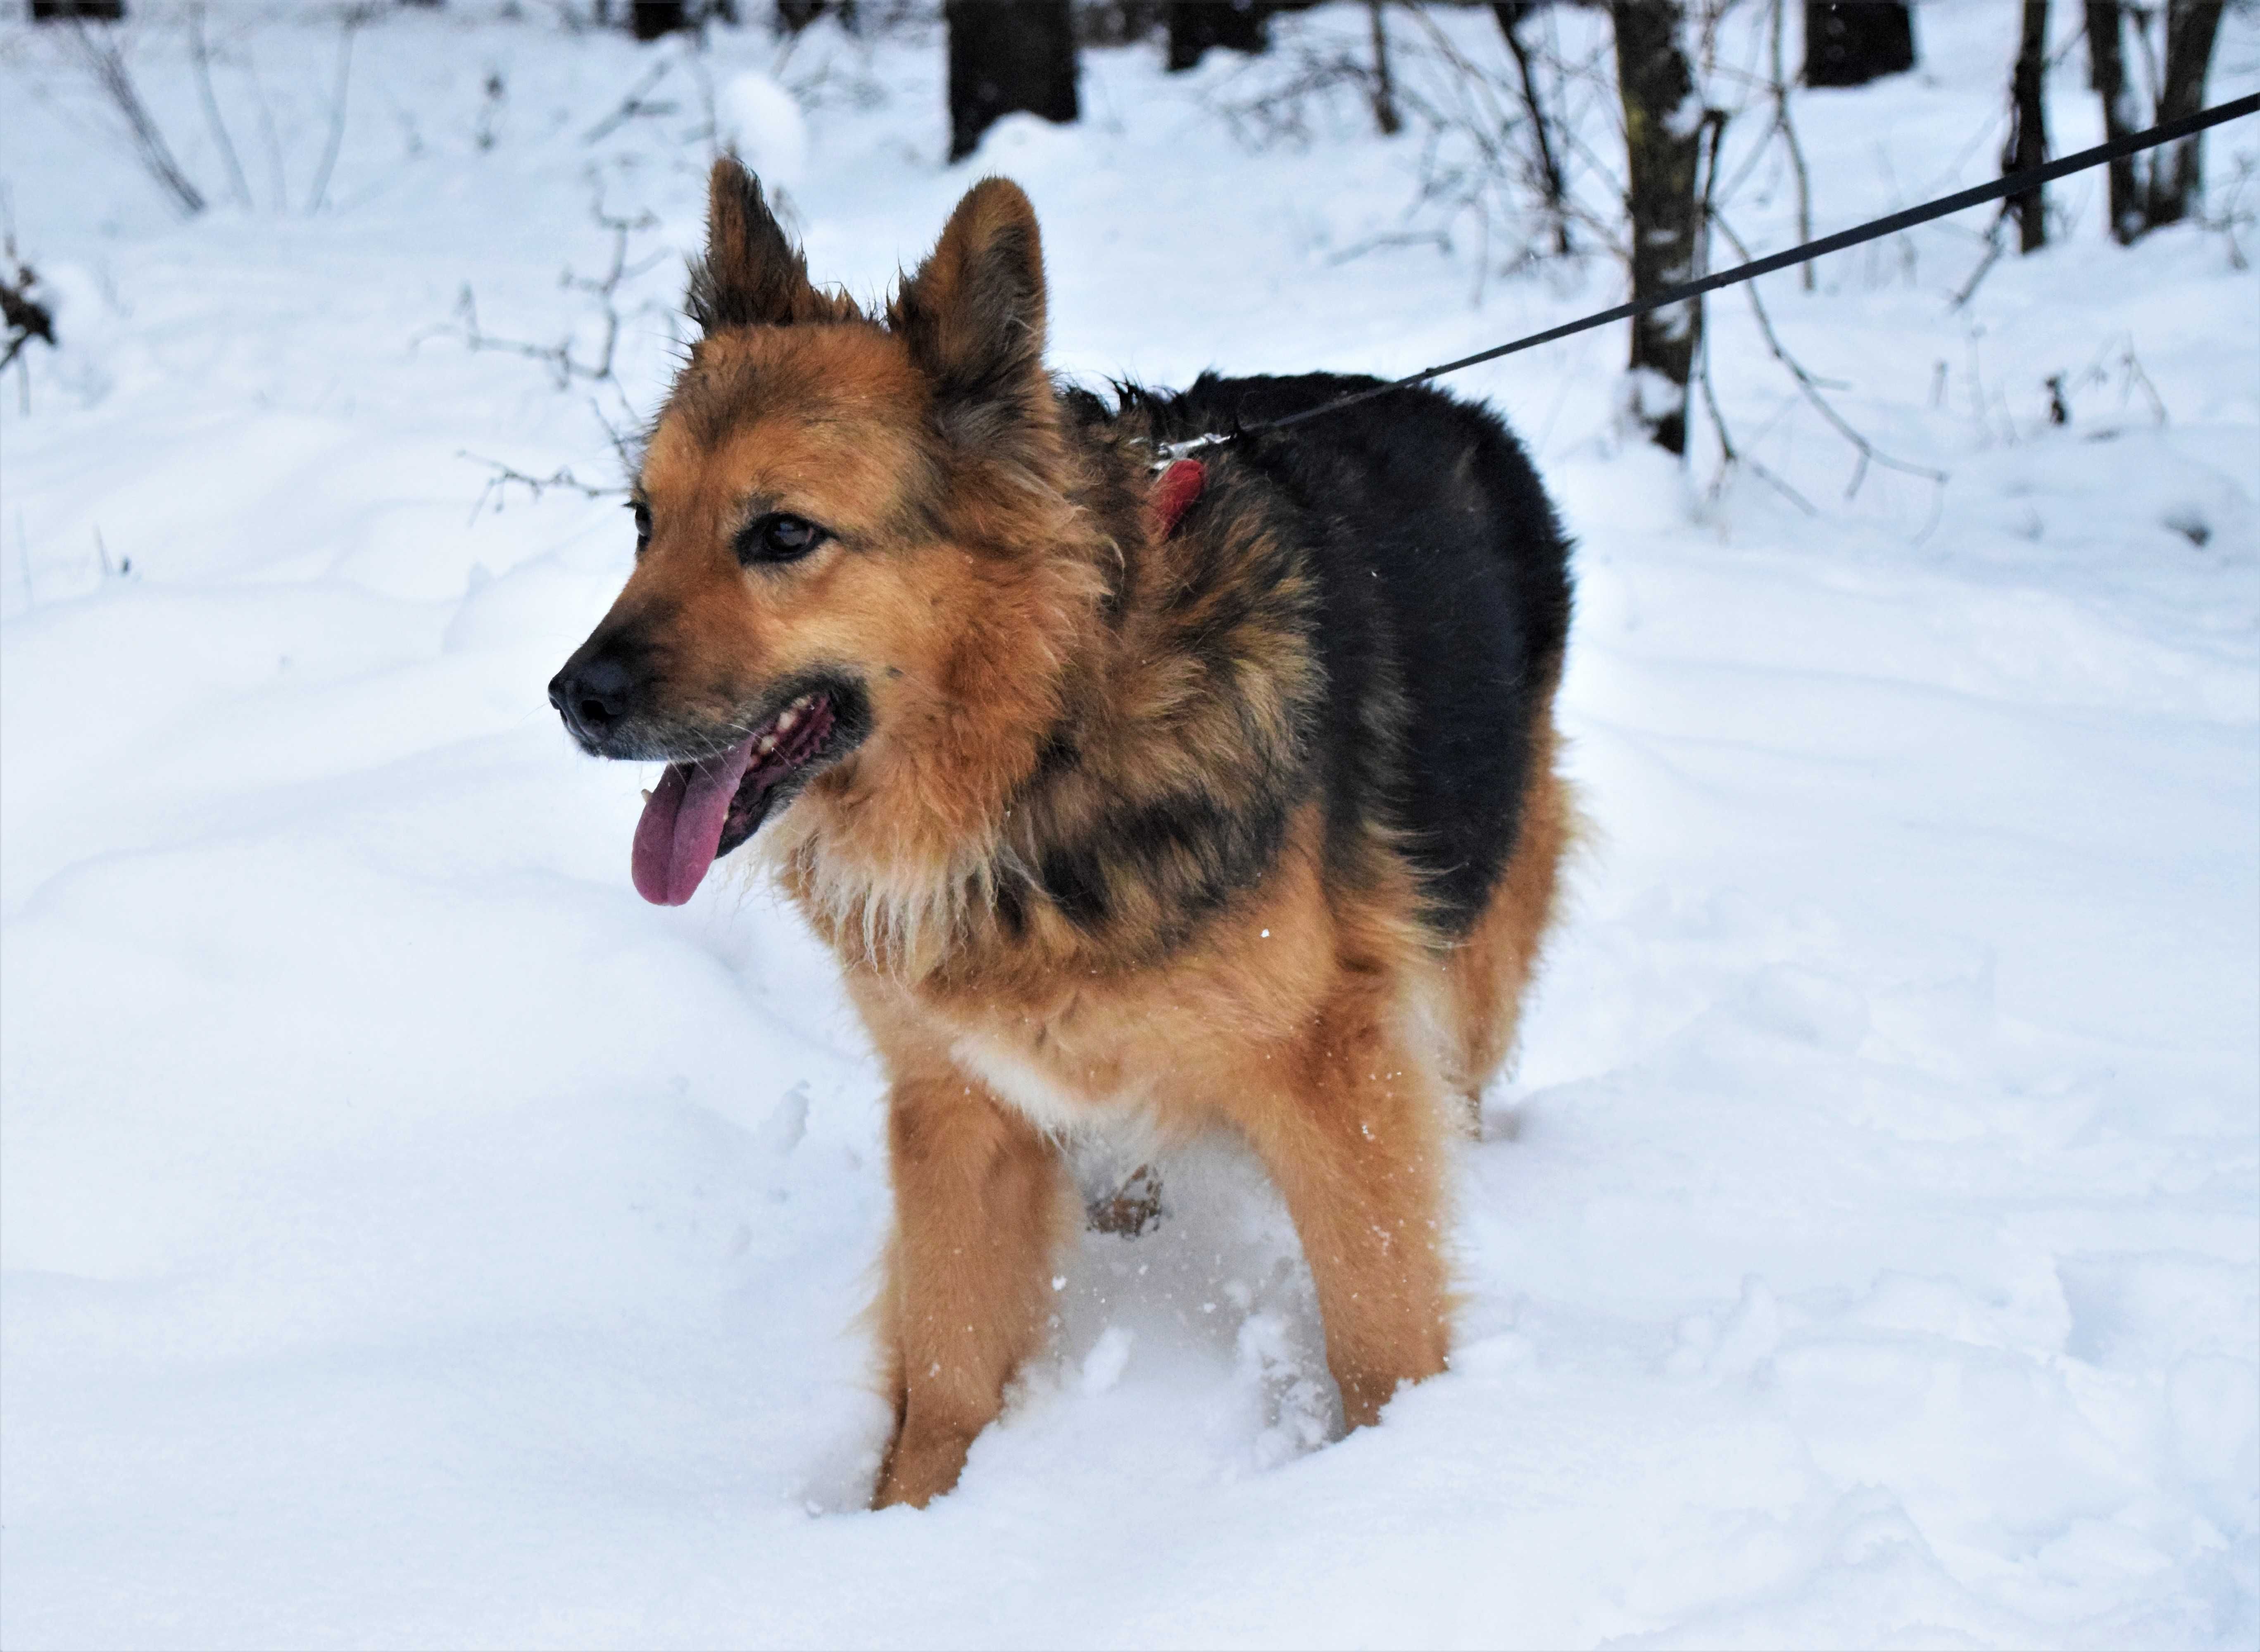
751	277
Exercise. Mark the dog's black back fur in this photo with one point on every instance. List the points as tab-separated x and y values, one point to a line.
1445	607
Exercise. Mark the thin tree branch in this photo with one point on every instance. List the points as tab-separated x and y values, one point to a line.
1384	93
1509	15
321	190
1810	387
108	62
200	55
632	105
1788	130
505	477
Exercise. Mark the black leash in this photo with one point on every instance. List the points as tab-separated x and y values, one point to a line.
2016	184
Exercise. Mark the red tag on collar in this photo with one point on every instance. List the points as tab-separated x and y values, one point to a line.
1175	489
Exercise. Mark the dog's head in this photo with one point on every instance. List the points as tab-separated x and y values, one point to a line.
833	594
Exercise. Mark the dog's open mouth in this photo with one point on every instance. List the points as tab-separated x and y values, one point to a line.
701	811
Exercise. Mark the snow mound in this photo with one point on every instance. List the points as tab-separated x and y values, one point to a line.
409	1237
761	123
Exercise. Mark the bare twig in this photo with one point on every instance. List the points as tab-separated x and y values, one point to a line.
1436	239
633	106
2131	376
277	184
1730	456
107	61
320	190
1473	111
200	55
505	477
1787	128
624	443
563	363
2236	212
1984	265
1715	121
1810	388
1384	94
1550	169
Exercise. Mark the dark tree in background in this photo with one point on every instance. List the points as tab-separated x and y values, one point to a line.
1116	22
2162	187
793	16
1851	42
2106	73
2028	145
652	18
2175	172
1195	26
92	10
1006	56
1663	148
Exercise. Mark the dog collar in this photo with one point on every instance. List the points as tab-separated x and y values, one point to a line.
1175	489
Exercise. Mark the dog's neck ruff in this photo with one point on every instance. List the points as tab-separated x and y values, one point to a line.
907	916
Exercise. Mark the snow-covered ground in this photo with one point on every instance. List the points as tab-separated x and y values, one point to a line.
411	1238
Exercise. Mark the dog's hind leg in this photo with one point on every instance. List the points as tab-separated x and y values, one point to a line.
981	1198
1357	1142
1488	971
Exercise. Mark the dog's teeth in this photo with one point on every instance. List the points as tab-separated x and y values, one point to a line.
647	794
786	720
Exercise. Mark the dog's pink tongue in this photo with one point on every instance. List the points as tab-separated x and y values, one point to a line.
682	824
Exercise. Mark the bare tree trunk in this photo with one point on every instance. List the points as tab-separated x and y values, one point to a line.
793	16
92	10
2176	173
1851	42
1006	56
652	18
2106	73
1663	144
1195	26
2027	145
1510	13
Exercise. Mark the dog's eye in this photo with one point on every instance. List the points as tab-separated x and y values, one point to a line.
642	523
779	538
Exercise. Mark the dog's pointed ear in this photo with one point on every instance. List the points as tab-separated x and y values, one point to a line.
973	315
751	276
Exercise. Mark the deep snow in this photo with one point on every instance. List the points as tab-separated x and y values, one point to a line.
412	1238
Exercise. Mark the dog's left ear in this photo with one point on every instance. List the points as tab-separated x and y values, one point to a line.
973	315
751	276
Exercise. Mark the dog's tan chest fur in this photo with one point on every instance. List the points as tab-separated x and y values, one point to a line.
1061	1090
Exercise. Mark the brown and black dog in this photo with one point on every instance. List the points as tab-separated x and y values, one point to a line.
1211	794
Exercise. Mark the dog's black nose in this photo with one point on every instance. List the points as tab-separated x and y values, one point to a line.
592	695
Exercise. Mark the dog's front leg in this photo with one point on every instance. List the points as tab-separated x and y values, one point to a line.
979	1208
1352	1128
